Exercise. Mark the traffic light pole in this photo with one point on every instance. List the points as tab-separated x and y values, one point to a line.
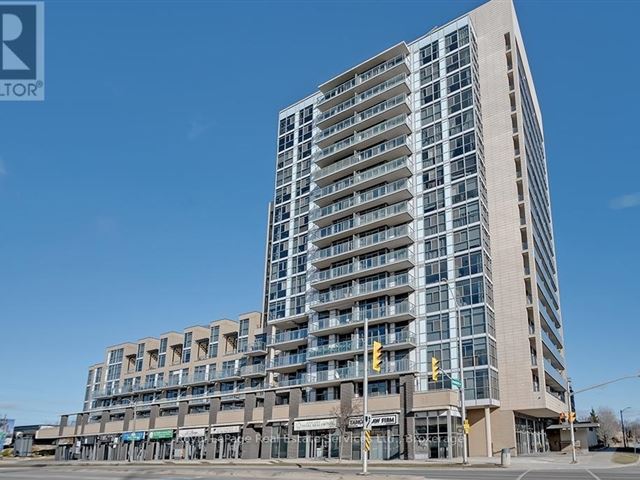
365	396
463	408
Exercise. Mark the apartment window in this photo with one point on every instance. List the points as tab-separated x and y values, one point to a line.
442	352
297	305
300	224
470	292
162	353
244	327
435	271
437	298
430	93
464	190
438	327
285	159
278	290
473	321
466	239
434	200
476	383
458	60
282	212
298	284
140	357
459	80
283	194
113	372
302	205
456	39
304	133
468	264
466	214
287	124
186	347
433	178
280	232
305	115
279	250
285	142
430	73
304	166
284	176
431	113
277	309
461	122
435	247
432	156
431	134
460	101
464	167
434	224
299	264
429	53
462	144
115	356
302	186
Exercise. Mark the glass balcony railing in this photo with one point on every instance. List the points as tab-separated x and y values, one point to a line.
554	373
361	136
362	242
363	155
361	220
288	336
357	371
362	265
372	286
258	368
287	360
396	338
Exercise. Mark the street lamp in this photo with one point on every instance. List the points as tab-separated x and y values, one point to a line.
624	436
463	409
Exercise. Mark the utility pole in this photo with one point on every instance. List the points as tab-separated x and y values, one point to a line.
624	435
365	386
572	395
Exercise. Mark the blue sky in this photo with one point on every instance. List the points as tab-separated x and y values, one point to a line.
121	210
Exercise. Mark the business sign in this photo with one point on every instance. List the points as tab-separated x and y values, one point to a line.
161	434
324	424
191	432
132	436
21	50
376	421
226	429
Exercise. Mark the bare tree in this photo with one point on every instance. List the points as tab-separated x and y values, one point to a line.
633	430
609	425
342	416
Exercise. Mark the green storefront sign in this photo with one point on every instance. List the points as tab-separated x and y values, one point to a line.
161	434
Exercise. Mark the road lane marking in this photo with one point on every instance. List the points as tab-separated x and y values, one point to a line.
592	474
522	476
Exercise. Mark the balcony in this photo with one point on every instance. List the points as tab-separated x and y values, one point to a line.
343	350
554	374
385	130
380	153
393	170
343	297
338	111
288	363
363	120
380	314
388	193
392	261
551	324
550	347
390	238
227	374
288	339
390	216
356	371
256	370
257	349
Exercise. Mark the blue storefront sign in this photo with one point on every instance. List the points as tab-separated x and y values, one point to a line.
132	436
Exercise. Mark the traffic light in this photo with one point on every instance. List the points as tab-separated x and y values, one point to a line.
377	357
572	417
435	368
563	417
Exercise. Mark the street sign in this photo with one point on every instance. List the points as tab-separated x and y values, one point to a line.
456	383
368	422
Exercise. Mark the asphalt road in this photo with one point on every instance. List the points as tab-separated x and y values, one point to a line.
308	473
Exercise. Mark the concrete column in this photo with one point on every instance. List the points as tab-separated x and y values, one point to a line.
76	430
406	429
347	391
487	428
410	452
128	416
153	414
267	430
251	443
84	419
295	398
214	408
104	419
183	409
64	420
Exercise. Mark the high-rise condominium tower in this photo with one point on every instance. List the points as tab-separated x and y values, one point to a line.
412	189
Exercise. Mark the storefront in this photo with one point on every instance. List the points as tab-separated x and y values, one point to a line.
131	446
191	444
64	449
531	436
438	434
88	448
226	441
160	444
385	437
317	438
